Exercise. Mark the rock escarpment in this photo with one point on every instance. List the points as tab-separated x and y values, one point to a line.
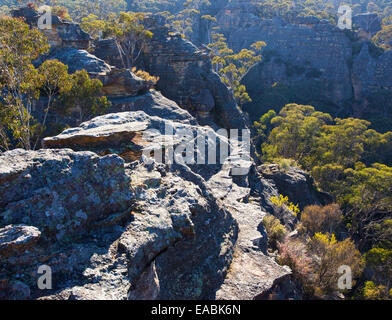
307	53
126	228
69	44
112	223
310	61
185	73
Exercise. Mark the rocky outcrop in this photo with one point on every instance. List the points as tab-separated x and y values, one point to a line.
294	183
367	24
371	74
115	220
77	59
61	192
68	44
60	33
149	230
310	61
116	82
15	239
308	53
123	82
185	74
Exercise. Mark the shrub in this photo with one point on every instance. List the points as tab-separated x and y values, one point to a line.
329	256
373	292
275	230
286	164
315	264
145	75
321	219
283	202
293	253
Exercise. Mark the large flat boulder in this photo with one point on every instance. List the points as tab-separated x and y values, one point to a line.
16	239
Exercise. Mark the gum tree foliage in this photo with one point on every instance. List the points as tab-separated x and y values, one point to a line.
83	8
19	80
183	21
55	80
232	66
93	25
352	163
23	86
84	96
130	35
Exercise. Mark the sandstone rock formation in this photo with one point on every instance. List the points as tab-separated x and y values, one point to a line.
185	74
308	53
368	24
309	61
64	191
116	82
128	228
61	33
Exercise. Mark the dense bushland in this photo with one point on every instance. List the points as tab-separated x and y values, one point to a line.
352	163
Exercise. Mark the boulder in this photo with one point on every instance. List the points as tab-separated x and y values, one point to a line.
294	183
123	82
60	33
61	192
368	24
116	82
16	239
77	59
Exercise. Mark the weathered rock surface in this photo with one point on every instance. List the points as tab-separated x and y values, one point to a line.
77	59
61	192
309	61
368	24
294	183
370	75
61	34
308	53
114	224
16	239
173	234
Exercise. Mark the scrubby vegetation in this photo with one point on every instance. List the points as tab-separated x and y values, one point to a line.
25	87
352	163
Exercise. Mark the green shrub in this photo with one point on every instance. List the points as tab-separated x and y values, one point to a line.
275	230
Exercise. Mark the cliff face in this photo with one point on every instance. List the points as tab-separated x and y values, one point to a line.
311	52
309	61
